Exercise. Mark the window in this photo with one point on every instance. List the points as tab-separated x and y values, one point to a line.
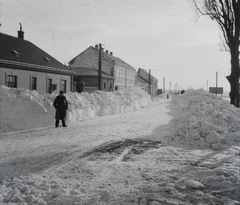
12	81
64	86
33	84
49	85
54	87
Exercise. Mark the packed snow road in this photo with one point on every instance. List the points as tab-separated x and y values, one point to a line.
37	150
127	159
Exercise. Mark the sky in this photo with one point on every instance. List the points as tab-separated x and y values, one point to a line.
164	36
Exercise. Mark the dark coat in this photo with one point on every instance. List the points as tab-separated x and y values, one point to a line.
61	105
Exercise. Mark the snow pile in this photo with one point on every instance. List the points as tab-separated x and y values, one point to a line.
36	190
99	103
206	119
23	109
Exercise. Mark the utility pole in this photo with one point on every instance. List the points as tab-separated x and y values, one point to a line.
216	81
163	85
149	85
126	78
100	67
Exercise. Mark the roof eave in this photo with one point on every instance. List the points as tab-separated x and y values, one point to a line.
27	66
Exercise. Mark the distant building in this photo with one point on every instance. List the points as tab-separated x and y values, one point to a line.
24	65
159	91
151	81
116	74
139	82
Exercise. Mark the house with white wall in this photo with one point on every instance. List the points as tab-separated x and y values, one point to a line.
24	65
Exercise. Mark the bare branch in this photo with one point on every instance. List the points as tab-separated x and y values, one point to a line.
227	15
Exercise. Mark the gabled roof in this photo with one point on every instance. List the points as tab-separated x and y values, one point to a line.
16	51
74	59
119	61
83	71
144	75
115	59
139	80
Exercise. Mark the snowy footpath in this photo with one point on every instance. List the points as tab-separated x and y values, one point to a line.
184	150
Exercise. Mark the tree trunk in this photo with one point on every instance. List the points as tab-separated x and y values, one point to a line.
232	89
233	79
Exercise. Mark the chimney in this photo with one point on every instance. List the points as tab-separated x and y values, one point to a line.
96	47
106	51
21	33
111	53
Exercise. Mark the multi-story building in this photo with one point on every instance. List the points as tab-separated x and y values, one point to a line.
24	65
117	73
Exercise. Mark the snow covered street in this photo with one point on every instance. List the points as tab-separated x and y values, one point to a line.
127	158
32	151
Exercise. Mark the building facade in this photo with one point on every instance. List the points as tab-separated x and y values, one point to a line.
86	80
113	68
151	81
139	82
24	65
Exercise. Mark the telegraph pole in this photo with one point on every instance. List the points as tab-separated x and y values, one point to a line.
149	85
216	81
163	84
100	68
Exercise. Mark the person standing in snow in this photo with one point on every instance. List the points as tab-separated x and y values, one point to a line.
61	105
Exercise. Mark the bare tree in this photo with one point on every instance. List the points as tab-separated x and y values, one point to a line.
227	15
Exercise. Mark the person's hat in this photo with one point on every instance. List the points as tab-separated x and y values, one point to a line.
61	92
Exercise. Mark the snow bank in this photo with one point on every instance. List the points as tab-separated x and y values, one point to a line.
99	103
206	119
35	190
23	109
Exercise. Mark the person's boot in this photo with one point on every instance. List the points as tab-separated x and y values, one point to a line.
63	123
56	123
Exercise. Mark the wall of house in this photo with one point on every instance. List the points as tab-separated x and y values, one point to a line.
89	59
107	85
91	83
123	77
154	82
142	86
23	79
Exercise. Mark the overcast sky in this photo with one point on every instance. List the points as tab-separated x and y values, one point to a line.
162	35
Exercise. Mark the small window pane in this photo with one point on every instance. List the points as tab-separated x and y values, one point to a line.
33	83
12	81
64	86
